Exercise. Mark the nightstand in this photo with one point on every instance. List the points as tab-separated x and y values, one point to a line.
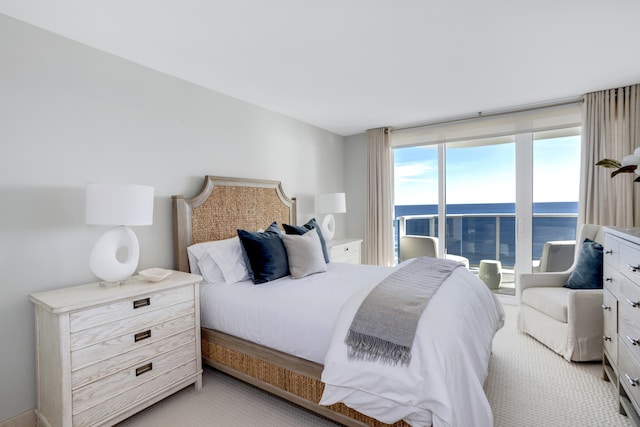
345	250
104	354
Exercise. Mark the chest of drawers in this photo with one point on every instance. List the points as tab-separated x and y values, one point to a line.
345	250
104	354
621	305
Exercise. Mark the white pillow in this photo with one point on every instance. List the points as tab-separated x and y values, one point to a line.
304	253
228	259
218	261
209	270
195	253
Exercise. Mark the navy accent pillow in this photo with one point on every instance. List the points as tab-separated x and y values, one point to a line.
265	255
310	225
588	271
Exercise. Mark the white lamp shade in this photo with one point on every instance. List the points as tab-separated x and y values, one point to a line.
119	204
331	203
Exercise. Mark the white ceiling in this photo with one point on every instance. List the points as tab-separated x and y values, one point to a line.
351	65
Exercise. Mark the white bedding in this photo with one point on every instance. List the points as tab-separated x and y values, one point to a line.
295	316
443	383
309	318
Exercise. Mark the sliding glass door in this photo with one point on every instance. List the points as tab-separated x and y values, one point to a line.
494	201
416	192
556	186
480	188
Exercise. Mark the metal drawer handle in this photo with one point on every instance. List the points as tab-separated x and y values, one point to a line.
606	307
346	249
633	303
141	303
609	252
608	279
633	382
142	336
632	268
606	338
633	341
144	368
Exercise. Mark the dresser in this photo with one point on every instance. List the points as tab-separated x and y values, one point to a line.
621	307
104	354
345	250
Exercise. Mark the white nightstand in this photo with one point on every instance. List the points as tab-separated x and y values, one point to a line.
345	250
104	354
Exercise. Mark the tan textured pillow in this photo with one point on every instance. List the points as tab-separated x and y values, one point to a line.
304	253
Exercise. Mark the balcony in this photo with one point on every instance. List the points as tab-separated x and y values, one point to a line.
488	236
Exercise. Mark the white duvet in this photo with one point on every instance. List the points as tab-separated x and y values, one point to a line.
442	386
309	318
295	316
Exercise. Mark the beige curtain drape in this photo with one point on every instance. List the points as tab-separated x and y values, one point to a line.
610	129
378	241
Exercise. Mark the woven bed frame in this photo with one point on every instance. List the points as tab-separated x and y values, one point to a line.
221	207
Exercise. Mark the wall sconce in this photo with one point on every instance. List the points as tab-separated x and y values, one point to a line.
121	205
329	204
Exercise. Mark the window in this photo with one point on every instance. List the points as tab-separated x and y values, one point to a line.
496	197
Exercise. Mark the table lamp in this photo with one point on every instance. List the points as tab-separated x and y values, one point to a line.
329	204
115	256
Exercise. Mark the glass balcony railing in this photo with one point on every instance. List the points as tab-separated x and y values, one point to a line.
478	236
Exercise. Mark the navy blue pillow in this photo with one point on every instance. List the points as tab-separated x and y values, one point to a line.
588	271
301	229
265	255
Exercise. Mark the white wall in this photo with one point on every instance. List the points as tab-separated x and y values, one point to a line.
69	115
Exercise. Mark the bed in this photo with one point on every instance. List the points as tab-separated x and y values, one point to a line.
224	205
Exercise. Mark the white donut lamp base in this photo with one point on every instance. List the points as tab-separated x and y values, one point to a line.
104	260
328	227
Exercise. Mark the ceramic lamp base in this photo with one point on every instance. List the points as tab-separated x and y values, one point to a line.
328	227
104	260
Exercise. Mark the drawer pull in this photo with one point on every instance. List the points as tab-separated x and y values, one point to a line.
141	303
633	303
606	307
633	382
609	252
633	341
144	368
142	336
608	279
633	269
606	338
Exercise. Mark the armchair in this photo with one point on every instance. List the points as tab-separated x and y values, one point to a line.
557	255
416	246
568	321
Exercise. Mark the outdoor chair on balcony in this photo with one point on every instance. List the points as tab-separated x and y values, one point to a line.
556	255
567	320
417	246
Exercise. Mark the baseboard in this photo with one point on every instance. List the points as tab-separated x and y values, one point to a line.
26	419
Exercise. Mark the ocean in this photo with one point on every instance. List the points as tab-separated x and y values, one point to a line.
472	229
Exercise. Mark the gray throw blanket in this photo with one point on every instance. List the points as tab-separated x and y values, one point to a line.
385	325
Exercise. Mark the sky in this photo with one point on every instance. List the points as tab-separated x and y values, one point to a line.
486	174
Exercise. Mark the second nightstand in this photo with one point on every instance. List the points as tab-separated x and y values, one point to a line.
345	250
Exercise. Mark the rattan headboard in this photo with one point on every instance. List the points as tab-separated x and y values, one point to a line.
221	207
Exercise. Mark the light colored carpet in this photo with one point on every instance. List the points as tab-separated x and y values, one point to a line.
528	385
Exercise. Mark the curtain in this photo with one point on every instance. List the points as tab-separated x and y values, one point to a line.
610	129
378	241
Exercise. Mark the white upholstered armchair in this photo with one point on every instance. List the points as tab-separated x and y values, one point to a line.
412	246
557	255
568	321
